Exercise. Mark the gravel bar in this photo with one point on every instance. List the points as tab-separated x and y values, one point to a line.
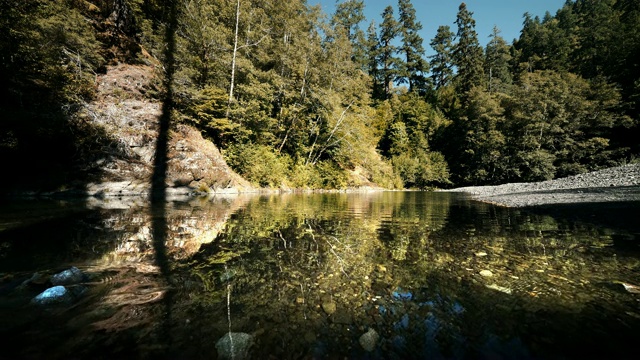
618	184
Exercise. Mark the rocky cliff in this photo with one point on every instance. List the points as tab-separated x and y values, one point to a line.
127	115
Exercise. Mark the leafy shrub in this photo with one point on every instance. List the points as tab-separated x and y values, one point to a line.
258	164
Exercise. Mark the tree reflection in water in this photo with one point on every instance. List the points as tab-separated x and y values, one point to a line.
435	275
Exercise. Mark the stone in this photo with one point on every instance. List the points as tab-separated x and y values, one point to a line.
329	307
68	277
52	296
400	294
499	288
481	254
234	346
369	340
486	273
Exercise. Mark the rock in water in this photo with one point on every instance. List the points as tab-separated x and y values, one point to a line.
634	289
369	340
68	277
486	273
499	288
54	295
329	307
234	346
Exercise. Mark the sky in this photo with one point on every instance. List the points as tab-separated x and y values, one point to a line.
507	15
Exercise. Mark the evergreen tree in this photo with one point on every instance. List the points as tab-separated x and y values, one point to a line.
387	60
558	124
467	52
414	67
373	53
442	61
348	15
496	63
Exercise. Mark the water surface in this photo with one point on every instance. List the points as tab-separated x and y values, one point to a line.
435	275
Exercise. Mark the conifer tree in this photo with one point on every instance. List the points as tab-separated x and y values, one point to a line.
388	62
467	52
414	66
496	64
441	62
349	14
373	51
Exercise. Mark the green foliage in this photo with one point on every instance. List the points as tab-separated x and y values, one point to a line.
295	98
442	61
406	143
496	63
467	52
414	67
258	164
557	121
387	60
51	53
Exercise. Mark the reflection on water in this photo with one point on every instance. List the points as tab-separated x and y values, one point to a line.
389	275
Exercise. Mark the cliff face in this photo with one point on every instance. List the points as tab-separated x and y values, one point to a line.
130	119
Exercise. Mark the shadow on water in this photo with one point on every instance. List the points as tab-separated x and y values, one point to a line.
621	216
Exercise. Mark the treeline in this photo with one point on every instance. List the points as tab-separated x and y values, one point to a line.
295	97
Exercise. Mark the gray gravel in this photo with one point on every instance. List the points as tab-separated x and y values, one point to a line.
619	184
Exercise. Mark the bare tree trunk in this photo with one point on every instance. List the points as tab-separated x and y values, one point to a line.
233	59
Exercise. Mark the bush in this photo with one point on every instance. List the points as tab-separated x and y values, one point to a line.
258	164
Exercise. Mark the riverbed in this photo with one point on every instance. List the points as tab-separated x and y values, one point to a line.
390	275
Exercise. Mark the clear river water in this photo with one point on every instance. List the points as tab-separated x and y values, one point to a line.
380	275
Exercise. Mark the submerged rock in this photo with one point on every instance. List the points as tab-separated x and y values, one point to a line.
54	295
499	288
400	294
369	340
68	277
329	307
486	273
234	346
634	289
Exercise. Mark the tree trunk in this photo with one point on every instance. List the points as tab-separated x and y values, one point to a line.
233	59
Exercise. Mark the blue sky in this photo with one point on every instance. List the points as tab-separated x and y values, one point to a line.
506	14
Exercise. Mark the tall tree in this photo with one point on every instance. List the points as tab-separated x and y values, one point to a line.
496	63
349	13
442	61
373	52
414	67
347	17
559	124
467	52
388	62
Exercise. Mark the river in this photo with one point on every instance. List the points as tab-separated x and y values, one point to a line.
306	276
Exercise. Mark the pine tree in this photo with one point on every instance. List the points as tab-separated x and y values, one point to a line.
414	67
373	52
467	53
349	14
441	62
388	62
496	64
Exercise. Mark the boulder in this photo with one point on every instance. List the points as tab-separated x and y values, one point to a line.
52	296
369	340
68	277
234	346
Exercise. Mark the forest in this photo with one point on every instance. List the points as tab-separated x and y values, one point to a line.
297	98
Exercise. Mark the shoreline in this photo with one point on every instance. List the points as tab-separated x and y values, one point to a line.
618	184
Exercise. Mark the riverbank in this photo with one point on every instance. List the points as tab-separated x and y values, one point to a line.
618	184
